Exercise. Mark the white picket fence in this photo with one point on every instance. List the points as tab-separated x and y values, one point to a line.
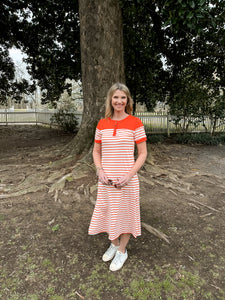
8	117
153	122
163	123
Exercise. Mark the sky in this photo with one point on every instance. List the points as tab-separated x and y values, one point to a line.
17	56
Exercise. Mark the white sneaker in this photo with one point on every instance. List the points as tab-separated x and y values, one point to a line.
110	252
118	261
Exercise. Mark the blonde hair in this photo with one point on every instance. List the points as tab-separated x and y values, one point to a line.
108	104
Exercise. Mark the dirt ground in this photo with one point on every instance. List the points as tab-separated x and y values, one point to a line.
46	253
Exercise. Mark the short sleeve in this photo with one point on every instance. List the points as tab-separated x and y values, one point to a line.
139	132
98	133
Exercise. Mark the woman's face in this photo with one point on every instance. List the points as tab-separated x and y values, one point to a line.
119	101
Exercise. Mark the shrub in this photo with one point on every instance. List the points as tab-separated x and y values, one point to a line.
198	138
155	138
222	138
203	138
65	120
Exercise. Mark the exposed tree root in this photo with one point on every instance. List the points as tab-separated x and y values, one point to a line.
156	232
143	179
59	185
177	187
52	176
31	189
37	181
62	162
200	203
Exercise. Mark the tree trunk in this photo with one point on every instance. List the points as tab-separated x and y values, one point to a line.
101	36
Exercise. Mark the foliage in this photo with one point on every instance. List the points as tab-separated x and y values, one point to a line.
182	34
66	120
7	73
8	22
200	138
193	102
143	64
48	32
197	89
156	138
68	102
161	40
217	111
51	41
203	138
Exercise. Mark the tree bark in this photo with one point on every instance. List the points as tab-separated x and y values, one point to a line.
102	64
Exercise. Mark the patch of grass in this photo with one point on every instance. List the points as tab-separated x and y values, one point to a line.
166	282
162	283
33	297
49	265
55	297
100	281
74	260
170	283
14	297
42	273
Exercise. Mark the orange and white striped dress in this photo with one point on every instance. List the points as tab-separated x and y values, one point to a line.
117	211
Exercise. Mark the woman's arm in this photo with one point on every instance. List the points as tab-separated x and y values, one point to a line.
142	154
97	161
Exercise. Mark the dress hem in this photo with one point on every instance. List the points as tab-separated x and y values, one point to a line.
134	235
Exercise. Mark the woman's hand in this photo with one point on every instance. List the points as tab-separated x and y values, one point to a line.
122	181
102	177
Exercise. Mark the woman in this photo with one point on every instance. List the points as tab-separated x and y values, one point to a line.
117	209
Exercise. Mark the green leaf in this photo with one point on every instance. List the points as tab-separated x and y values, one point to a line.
55	228
192	4
69	178
190	15
201	2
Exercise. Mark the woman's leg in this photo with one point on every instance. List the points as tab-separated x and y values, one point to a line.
116	242
124	239
121	255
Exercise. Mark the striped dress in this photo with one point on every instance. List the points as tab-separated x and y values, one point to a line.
117	211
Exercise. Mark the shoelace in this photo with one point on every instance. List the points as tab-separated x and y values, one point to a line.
118	257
